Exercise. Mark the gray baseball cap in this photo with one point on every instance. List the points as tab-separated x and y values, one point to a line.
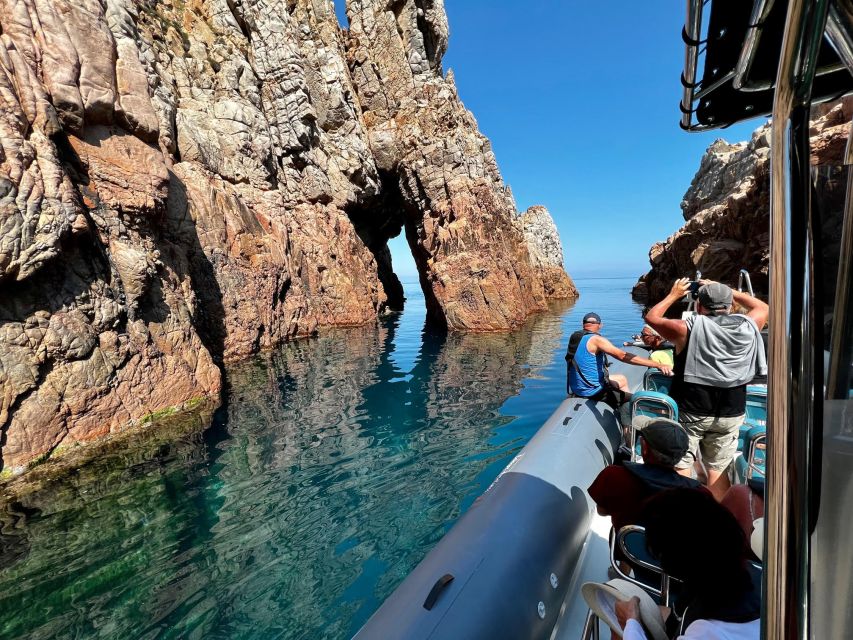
715	296
665	437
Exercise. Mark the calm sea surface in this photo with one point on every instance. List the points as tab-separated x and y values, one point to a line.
334	465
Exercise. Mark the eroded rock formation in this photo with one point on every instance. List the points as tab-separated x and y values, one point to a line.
184	182
546	252
728	203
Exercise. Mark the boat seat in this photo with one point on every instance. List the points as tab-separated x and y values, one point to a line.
756	452
631	542
653	404
650	404
654	380
756	405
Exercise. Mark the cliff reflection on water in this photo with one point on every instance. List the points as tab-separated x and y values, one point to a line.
333	467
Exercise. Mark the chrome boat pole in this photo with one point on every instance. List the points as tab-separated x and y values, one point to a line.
795	379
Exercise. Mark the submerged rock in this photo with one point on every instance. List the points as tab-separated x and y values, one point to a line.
184	183
727	208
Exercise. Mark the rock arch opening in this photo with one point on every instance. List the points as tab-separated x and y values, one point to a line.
385	217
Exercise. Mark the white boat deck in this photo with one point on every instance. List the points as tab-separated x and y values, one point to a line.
593	564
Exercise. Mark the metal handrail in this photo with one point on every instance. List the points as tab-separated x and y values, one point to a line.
760	11
693	29
704	91
792	370
739	76
742	276
590	627
838	28
750	463
625	576
619	539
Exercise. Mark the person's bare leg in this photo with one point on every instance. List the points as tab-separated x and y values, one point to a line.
687	472
701	474
718	483
619	381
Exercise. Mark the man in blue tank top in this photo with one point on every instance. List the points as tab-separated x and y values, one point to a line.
587	377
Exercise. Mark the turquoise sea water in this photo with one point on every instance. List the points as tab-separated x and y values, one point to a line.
334	465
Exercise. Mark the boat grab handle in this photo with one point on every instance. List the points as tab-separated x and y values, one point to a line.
436	590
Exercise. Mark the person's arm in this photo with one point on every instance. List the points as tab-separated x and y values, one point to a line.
607	347
755	308
628	616
673	330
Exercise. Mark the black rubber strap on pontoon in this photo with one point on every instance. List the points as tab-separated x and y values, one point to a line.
436	590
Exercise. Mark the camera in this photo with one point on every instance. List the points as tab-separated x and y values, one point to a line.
693	289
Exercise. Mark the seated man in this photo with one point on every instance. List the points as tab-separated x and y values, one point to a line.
587	377
620	490
661	349
699	541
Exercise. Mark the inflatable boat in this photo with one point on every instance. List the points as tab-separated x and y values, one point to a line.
512	565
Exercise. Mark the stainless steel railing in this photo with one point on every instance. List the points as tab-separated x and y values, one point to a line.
793	375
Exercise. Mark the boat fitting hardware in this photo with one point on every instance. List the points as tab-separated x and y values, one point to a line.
436	590
554	582
541	610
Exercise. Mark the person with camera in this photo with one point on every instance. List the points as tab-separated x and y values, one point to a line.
717	353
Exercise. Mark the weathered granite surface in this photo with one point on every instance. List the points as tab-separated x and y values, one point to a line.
546	252
727	208
184	182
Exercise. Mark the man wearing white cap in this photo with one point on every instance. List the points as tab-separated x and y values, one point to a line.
717	353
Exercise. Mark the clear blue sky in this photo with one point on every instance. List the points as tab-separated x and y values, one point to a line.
580	101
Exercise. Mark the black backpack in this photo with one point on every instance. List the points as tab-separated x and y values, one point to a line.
574	343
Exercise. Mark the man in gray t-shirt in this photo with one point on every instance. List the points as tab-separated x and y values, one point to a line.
716	354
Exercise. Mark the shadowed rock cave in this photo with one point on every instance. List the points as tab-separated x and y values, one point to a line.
381	218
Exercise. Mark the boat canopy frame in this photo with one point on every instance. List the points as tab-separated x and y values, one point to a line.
731	56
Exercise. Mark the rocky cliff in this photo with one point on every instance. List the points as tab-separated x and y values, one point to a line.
546	252
727	208
184	182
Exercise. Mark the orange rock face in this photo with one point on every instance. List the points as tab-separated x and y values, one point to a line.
183	183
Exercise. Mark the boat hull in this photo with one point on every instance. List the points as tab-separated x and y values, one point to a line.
513	555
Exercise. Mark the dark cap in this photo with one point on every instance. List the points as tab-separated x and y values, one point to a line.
591	318
715	296
665	437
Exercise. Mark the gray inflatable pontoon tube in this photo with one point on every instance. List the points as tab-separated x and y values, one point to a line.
504	569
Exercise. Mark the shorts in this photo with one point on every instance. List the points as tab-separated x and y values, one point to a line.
715	438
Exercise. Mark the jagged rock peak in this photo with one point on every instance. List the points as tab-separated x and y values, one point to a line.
727	208
546	251
725	169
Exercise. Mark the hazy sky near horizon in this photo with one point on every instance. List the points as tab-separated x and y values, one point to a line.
580	102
